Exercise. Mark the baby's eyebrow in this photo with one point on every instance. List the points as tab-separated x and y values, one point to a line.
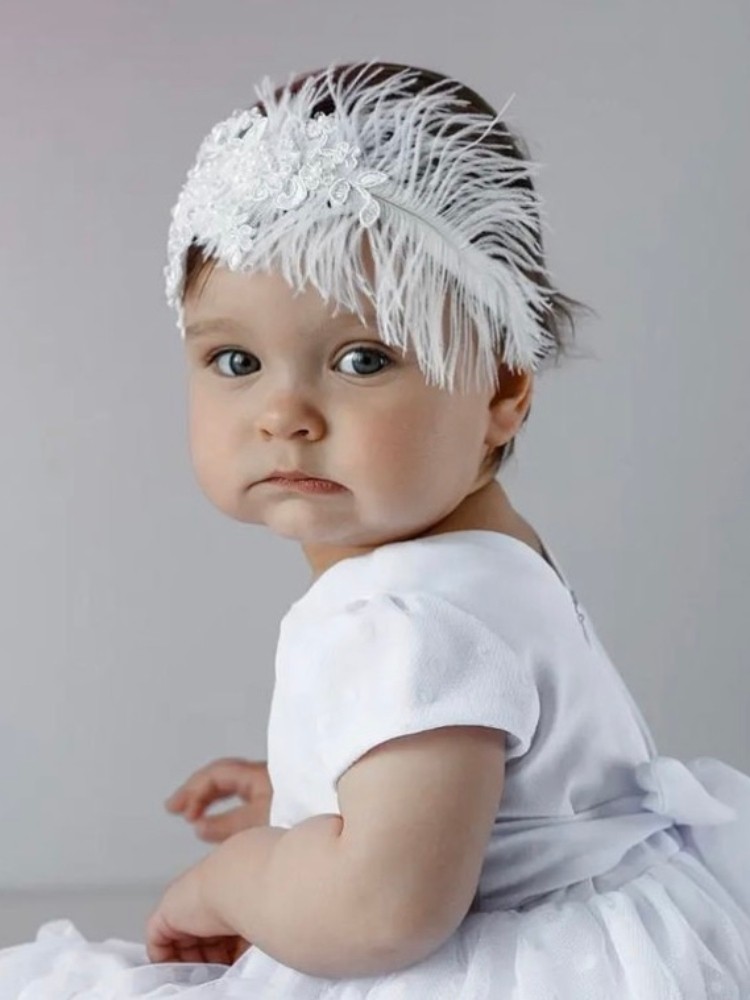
201	328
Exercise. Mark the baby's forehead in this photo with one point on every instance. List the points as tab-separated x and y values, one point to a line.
264	302
316	328
258	292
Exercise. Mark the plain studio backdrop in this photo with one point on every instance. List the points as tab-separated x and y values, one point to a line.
138	624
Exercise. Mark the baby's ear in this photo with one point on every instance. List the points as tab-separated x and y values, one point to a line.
511	401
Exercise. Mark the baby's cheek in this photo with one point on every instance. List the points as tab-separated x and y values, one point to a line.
215	470
403	455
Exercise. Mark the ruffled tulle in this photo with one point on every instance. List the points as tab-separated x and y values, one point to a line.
678	931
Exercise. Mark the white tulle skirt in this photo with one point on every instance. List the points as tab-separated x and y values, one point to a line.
678	931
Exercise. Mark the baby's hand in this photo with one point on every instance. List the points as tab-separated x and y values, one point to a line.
248	779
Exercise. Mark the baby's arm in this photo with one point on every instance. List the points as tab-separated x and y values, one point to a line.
382	885
301	895
385	881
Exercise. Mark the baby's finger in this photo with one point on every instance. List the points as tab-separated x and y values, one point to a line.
226	777
176	801
217	828
217	780
186	802
240	949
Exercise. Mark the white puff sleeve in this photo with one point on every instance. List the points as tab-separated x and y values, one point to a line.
395	664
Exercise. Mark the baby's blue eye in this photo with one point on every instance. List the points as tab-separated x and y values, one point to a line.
373	352
234	352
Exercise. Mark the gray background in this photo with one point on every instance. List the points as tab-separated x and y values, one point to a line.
138	623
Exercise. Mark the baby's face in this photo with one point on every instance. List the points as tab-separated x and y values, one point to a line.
299	389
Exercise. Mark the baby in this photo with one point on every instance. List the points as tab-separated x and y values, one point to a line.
462	798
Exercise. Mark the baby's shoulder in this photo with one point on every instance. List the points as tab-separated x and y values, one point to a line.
458	567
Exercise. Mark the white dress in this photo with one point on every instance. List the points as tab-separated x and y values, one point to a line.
611	873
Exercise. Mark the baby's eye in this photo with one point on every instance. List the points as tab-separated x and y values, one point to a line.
233	353
369	353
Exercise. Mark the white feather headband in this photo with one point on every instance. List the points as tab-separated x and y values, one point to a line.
294	192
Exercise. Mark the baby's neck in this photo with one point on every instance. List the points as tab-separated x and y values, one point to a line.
487	509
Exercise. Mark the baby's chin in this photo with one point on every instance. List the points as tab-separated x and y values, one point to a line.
332	539
323	522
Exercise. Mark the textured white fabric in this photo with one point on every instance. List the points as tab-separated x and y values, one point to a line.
611	871
394	664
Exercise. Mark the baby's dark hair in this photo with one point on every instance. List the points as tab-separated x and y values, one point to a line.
562	309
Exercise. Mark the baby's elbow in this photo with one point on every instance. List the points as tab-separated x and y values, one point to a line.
367	948
374	932
359	936
394	938
347	921
409	943
417	935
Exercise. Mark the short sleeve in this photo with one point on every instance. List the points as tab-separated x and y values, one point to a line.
395	664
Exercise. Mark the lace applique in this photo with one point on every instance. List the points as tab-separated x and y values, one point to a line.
236	166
